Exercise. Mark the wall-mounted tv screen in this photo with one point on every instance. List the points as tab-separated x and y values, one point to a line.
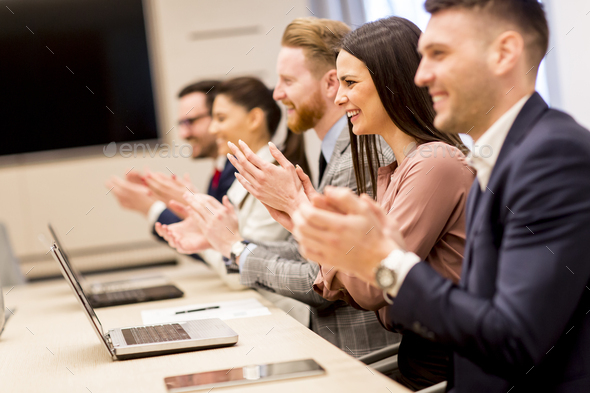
73	73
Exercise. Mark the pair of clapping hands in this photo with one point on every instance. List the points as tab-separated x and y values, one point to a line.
139	191
337	228
210	224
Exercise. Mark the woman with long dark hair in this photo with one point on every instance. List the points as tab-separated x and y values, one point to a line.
425	189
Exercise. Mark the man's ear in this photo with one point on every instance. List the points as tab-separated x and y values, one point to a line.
330	81
255	119
507	52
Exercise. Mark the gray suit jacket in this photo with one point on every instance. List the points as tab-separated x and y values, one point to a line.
279	267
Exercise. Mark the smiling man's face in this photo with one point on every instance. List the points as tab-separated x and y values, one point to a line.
299	90
455	49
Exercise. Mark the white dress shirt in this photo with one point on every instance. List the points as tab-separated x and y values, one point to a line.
487	148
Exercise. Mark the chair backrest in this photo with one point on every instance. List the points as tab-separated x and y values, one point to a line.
10	272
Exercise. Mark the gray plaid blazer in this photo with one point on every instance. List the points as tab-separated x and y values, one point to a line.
279	267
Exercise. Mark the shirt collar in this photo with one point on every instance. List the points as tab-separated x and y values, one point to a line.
329	141
220	162
486	150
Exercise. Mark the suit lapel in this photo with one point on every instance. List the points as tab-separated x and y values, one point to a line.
480	202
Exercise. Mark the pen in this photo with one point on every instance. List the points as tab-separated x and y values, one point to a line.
197	309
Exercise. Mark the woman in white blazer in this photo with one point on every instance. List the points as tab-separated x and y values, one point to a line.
243	110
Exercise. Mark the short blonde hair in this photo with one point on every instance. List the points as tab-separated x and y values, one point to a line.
319	39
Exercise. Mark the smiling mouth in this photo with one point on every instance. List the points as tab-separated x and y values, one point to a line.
353	114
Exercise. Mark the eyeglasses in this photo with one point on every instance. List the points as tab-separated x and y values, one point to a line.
192	120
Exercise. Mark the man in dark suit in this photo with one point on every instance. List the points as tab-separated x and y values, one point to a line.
519	318
150	193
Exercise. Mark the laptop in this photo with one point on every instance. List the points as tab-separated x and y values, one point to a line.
116	293
149	340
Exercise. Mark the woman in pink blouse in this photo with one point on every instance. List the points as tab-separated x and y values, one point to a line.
425	189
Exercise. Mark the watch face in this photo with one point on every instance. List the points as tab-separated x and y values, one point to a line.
237	248
385	277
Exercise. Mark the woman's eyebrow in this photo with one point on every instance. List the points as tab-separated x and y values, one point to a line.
343	77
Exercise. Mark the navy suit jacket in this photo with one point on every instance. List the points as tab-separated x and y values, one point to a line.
226	179
519	316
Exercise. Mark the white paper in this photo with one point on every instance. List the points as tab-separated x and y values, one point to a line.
227	310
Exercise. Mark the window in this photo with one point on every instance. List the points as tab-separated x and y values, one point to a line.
414	10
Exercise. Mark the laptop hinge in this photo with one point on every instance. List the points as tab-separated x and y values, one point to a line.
107	336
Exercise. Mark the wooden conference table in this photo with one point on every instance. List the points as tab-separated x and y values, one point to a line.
48	344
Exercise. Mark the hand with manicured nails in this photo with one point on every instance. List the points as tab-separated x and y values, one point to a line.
217	221
185	236
134	177
131	195
277	186
168	188
353	237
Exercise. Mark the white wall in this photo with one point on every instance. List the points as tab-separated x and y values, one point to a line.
568	63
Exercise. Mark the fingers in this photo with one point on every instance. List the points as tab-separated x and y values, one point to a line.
227	203
155	182
278	155
305	181
281	217
134	177
178	208
313	252
258	162
313	217
198	219
372	206
321	202
246	184
159	229
344	199
248	169
199	206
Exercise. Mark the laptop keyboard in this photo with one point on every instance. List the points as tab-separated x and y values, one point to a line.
155	334
125	295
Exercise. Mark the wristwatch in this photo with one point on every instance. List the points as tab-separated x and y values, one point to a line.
237	249
385	275
392	269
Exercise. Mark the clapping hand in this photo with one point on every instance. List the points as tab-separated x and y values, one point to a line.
346	231
217	221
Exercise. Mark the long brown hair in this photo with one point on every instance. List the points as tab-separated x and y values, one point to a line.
388	49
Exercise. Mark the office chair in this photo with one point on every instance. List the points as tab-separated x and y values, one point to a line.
10	273
385	361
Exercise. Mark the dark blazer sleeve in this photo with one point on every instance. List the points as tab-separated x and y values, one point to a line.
543	268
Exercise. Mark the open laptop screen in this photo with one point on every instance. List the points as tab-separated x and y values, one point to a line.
80	295
77	274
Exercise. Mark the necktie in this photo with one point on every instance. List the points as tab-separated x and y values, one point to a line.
215	179
323	165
